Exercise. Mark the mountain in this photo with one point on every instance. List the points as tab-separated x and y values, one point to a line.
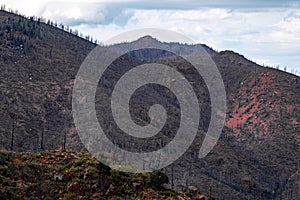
256	157
38	64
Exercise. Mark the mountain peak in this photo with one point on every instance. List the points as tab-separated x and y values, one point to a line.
147	40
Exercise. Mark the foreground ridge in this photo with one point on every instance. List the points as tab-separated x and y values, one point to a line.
78	175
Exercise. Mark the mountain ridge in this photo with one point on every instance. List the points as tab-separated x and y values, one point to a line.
259	146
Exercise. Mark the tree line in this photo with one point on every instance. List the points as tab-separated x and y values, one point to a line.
49	22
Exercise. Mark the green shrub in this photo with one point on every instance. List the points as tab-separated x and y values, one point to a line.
158	179
115	177
70	196
4	158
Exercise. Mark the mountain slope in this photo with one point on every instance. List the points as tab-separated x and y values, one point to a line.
76	175
257	156
37	69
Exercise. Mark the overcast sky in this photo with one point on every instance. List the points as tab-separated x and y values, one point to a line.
265	31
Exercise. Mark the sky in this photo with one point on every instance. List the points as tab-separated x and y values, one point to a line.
264	31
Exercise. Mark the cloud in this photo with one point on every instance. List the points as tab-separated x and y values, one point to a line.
266	31
73	14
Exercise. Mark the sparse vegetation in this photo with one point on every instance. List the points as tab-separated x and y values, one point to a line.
32	176
256	157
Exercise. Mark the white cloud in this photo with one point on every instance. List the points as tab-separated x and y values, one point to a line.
28	8
268	35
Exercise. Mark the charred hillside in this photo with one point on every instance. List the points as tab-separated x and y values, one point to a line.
38	64
257	156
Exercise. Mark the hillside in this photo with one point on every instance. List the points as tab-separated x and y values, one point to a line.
77	175
257	156
38	63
